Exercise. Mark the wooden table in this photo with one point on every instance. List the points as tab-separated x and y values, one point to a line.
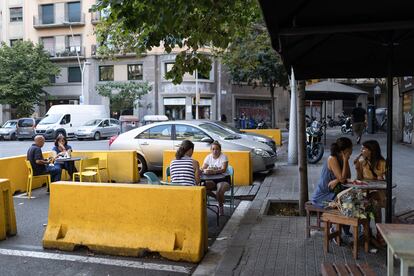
400	242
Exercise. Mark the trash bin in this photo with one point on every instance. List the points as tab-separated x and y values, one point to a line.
371	118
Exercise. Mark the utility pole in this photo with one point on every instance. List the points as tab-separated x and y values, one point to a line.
303	166
293	127
197	94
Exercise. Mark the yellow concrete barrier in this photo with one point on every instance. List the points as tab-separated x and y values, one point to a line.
7	216
15	169
128	219
239	160
275	134
122	164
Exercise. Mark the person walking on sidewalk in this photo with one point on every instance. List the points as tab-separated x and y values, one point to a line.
359	119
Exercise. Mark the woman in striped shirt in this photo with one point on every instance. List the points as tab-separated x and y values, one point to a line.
185	170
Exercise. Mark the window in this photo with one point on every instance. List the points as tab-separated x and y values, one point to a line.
74	74
65	120
106	73
49	45
185	132
74	12
134	71
48	15
114	122
16	14
73	44
14	41
162	132
201	76
168	66
52	78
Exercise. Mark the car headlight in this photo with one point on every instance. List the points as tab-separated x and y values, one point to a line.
261	153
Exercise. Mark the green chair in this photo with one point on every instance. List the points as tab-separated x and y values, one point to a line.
230	170
167	173
152	178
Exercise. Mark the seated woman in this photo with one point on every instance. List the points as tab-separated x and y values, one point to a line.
216	162
62	149
370	164
185	170
334	172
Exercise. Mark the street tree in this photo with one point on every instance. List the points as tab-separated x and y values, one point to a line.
123	95
190	27
251	60
25	69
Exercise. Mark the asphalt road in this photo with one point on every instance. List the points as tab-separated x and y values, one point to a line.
23	254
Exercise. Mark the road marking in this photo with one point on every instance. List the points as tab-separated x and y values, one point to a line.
95	260
24	195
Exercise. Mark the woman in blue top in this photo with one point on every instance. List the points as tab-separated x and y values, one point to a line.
334	172
62	149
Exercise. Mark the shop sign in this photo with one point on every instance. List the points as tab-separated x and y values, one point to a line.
407	84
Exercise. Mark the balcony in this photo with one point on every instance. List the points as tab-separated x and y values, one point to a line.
94	52
95	17
66	54
41	23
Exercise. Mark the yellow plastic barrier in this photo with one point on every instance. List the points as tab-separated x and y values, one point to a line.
275	134
122	164
128	219
240	160
15	169
7	216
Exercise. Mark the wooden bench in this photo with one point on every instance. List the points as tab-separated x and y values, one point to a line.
310	208
333	269
335	217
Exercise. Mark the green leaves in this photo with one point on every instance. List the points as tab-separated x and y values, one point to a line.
184	26
123	95
25	70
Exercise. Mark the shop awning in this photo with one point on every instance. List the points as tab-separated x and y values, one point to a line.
329	90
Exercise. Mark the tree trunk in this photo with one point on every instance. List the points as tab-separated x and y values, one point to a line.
272	95
303	168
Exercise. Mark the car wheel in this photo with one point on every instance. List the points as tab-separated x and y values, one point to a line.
97	136
80	139
20	139
13	137
142	165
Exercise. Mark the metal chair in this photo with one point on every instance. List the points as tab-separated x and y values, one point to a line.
30	178
100	168
93	169
152	178
230	170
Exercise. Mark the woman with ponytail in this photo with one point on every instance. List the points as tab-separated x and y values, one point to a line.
334	172
185	170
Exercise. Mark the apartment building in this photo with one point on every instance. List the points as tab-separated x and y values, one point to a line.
66	29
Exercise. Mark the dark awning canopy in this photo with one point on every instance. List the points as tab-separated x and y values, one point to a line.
329	90
342	39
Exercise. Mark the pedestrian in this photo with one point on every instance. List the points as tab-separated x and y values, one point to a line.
223	118
359	119
62	149
41	165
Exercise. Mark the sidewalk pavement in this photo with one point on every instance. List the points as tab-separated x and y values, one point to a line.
270	245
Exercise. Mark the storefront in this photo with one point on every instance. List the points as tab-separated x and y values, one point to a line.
204	109
250	112
407	90
174	108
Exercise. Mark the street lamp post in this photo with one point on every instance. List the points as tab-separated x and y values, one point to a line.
81	66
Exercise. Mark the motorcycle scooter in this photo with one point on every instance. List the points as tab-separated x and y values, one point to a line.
347	126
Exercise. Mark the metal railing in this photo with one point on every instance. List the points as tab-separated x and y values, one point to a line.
68	52
40	22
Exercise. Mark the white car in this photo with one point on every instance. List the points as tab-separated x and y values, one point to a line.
98	128
150	141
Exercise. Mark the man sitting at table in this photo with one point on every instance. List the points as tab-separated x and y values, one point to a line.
39	164
216	163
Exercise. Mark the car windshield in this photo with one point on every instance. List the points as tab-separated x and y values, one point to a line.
228	127
50	119
10	124
92	122
226	135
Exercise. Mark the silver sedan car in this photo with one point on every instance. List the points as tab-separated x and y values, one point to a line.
98	128
150	141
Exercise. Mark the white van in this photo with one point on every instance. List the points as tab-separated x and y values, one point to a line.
67	118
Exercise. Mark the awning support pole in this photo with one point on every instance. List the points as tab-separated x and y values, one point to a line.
388	218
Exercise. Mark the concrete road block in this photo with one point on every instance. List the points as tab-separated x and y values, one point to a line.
7	215
14	168
128	219
122	164
240	160
275	134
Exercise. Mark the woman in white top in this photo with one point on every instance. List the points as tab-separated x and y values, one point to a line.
216	162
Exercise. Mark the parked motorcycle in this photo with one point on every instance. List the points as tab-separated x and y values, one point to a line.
314	147
262	125
347	126
287	120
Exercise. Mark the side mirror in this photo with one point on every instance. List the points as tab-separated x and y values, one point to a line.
207	140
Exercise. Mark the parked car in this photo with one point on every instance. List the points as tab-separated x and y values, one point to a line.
26	128
149	119
128	122
66	118
8	130
98	128
252	136
151	140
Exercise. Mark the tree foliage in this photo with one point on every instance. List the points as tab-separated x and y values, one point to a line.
25	69
123	95
140	25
